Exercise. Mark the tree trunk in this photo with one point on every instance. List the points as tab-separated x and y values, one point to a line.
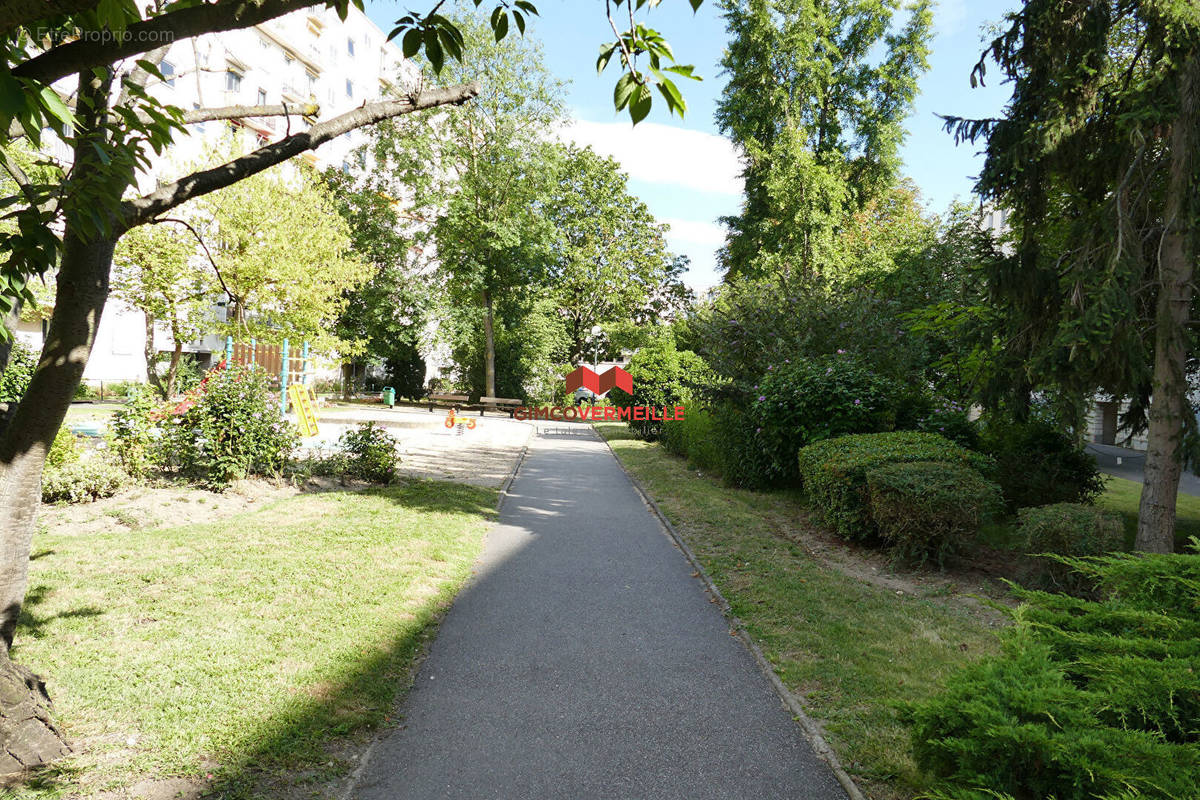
1169	402
489	331
152	360
173	369
26	734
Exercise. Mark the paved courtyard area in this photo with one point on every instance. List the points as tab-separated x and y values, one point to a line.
483	456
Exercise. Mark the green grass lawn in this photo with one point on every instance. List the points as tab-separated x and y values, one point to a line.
247	650
1122	495
91	412
854	651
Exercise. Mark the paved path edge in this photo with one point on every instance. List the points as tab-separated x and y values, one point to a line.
356	774
811	730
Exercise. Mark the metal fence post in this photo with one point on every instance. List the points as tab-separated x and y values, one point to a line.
304	364
228	351
253	351
283	378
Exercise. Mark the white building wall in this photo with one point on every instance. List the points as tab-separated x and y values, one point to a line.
304	57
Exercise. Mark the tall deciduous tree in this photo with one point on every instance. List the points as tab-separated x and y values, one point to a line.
816	100
155	273
283	254
388	313
73	221
609	257
1098	156
481	177
92	204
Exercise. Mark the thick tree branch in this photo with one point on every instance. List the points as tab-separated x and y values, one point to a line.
142	209
240	112
225	15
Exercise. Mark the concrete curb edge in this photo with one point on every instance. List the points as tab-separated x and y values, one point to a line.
812	731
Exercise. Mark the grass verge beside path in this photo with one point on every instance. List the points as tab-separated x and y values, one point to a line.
246	654
851	650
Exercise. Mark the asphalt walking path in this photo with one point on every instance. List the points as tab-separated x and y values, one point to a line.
585	661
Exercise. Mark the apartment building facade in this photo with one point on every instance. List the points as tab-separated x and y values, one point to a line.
309	56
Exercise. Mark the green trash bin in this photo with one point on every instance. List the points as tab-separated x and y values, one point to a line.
389	397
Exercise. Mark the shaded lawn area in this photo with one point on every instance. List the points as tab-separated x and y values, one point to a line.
852	650
249	650
1123	495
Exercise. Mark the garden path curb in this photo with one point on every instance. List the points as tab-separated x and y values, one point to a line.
811	730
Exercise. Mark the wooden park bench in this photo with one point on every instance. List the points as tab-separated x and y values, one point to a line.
447	399
494	403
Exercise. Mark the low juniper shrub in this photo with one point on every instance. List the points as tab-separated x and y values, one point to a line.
1088	698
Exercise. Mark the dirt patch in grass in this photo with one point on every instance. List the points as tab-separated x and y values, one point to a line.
168	506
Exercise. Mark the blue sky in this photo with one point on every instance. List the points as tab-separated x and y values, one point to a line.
683	169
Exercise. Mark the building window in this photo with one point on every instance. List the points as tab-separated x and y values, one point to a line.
312	83
168	72
233	81
349	88
262	97
350	46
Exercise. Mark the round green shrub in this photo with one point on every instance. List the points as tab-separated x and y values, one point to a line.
370	453
805	400
133	429
926	509
1037	464
1068	529
834	471
662	377
83	480
952	420
63	450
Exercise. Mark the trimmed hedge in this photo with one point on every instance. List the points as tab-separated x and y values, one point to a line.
1068	529
1088	699
834	471
927	509
695	438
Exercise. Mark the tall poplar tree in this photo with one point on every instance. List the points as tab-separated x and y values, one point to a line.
816	99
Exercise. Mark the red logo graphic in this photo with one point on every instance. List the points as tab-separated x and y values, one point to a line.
615	377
